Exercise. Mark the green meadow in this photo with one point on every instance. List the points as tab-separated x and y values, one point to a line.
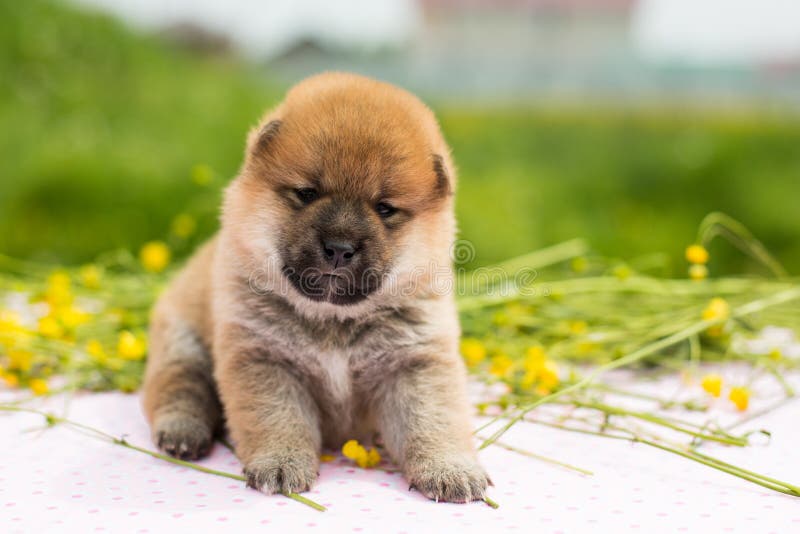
106	135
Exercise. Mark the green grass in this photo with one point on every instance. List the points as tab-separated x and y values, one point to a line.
631	182
101	128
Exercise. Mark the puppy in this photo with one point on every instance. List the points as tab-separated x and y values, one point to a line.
323	309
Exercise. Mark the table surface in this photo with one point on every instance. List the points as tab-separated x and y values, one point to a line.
57	480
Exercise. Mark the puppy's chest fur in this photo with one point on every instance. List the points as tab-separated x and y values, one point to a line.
344	364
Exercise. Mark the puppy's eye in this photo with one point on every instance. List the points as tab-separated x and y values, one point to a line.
306	195
385	210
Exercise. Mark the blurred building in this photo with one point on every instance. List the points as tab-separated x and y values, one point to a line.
714	52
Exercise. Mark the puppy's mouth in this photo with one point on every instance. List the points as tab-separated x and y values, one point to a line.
339	287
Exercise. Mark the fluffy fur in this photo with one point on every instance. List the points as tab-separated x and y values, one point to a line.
297	361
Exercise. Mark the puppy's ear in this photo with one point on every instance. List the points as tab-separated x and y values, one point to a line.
443	186
265	137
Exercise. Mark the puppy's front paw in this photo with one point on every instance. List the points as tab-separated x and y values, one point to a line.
288	471
448	478
183	436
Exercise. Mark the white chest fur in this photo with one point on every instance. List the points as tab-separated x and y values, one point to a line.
336	371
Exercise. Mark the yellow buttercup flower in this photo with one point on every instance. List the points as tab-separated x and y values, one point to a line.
71	317
10	328
473	351
59	290
50	327
696	254
183	225
577	327
363	458
38	386
586	347
548	374
373	458
698	271
579	264
11	380
9	320
717	309
539	370
501	364
131	347
622	272
20	360
58	279
528	379
740	396
95	349
90	276
326	458
712	384
351	449
155	256
534	358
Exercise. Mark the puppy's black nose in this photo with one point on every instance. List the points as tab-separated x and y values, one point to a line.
338	253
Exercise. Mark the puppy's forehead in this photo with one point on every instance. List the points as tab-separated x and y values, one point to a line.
366	163
355	159
367	138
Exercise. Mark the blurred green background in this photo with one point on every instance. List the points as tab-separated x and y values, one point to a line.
107	133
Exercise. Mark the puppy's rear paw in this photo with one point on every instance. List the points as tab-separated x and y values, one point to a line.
183	436
449	478
283	472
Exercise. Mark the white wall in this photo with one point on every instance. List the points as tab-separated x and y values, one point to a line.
718	31
262	28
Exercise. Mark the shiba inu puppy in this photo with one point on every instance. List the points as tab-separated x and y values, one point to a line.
323	309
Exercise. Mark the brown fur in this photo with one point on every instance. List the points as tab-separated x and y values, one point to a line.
300	365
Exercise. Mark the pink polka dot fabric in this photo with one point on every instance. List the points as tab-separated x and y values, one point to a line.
57	480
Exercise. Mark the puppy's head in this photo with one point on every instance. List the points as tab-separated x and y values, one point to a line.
345	190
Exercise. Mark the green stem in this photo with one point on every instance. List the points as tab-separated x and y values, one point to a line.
491	502
787	388
509	268
750	476
759	413
650	418
647	350
542	458
717	223
755	478
692	406
54	419
695	351
795	489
